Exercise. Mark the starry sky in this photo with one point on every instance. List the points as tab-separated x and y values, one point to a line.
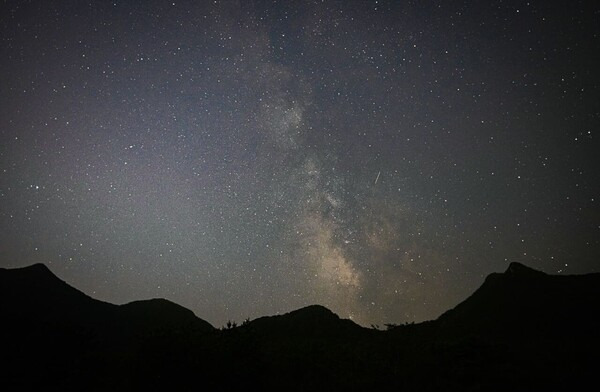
249	158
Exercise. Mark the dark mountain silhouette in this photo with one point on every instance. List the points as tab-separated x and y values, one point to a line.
313	321
540	329
526	300
35	293
521	330
159	314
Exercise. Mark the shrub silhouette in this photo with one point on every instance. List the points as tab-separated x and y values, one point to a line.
230	325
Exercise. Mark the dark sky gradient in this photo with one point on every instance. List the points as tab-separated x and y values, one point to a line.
249	158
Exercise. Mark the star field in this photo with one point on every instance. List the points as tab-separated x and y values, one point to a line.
249	158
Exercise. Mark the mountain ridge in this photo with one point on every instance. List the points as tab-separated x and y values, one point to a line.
521	329
522	296
63	303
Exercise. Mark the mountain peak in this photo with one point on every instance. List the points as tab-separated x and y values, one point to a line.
312	320
518	269
39	268
316	310
32	273
161	313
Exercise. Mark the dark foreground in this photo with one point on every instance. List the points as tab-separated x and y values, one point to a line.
521	330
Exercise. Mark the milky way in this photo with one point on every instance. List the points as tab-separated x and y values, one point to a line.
250	158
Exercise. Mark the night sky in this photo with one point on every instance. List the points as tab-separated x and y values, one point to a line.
250	158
